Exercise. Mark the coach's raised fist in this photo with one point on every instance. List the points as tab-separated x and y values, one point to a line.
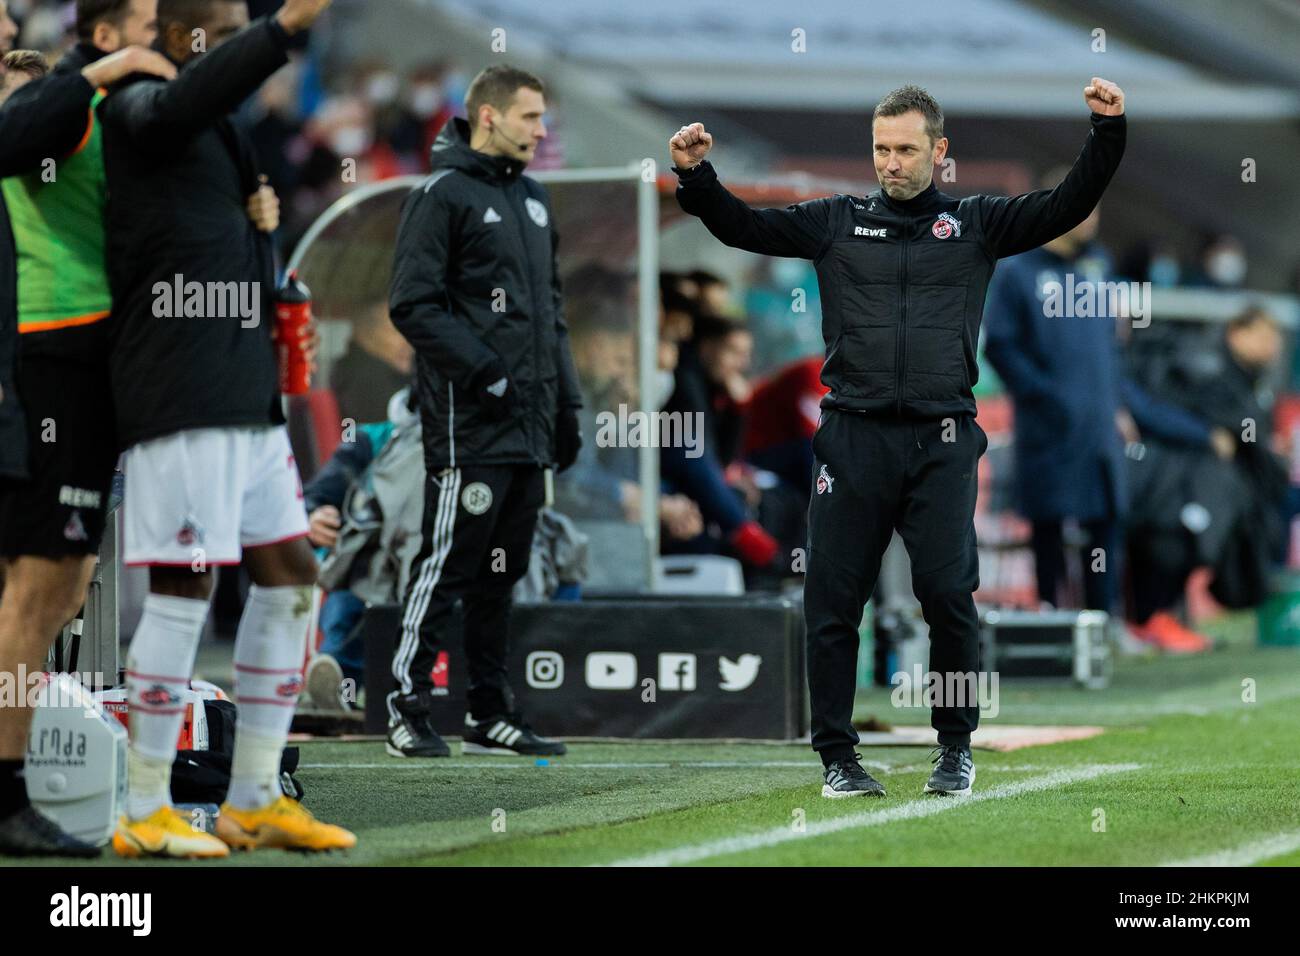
298	15
1104	97
690	145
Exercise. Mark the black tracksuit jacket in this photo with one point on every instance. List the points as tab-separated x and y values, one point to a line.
179	177
903	283
475	282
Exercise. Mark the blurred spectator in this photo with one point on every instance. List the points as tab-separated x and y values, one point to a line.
783	415
423	113
713	294
342	654
711	389
1193	509
677	307
1154	262
1073	412
604	482
378	362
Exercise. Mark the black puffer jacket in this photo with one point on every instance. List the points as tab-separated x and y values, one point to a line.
903	283
475	284
179	177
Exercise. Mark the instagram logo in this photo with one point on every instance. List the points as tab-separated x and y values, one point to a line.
544	670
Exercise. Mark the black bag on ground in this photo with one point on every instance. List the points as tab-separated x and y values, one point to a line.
203	776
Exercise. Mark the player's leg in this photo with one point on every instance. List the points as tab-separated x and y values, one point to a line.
492	724
50	530
40	596
937	522
270	650
180	516
460	509
856	482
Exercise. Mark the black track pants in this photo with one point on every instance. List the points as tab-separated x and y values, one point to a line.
478	534
870	477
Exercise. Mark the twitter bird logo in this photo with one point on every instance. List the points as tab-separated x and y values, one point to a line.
737	675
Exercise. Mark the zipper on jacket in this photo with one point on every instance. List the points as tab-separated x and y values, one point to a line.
900	350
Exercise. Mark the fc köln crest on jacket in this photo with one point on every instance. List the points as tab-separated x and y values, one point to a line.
946	225
824	482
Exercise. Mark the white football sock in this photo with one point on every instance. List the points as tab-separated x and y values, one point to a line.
270	647
159	664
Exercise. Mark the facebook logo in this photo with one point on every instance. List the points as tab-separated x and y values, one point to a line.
677	672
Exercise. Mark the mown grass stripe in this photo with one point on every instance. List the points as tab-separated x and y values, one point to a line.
924	807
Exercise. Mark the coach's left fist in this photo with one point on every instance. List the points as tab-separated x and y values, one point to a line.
1104	97
568	438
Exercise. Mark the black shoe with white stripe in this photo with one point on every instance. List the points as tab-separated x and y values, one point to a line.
414	736
846	778
509	734
954	771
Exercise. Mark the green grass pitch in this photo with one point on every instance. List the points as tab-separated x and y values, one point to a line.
1186	770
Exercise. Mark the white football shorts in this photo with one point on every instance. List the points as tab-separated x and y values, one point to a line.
198	497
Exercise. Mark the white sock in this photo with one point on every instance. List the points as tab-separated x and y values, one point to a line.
159	663
270	647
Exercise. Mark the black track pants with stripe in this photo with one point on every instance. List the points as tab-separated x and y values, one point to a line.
478	534
871	477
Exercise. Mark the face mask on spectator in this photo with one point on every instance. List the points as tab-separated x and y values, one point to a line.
382	88
426	99
1227	268
350	140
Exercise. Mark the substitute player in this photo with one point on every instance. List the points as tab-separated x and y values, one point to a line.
475	289
52	519
903	272
210	478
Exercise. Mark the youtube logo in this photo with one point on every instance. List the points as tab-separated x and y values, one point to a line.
611	670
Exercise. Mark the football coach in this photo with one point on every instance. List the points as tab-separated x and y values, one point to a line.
903	273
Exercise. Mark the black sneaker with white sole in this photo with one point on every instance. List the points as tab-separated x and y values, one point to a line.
846	778
954	771
509	734
28	832
414	736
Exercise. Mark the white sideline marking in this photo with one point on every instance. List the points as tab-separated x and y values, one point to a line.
1248	853
924	807
524	763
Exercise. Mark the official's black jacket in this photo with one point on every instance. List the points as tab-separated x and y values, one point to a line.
903	283
44	119
474	282
179	177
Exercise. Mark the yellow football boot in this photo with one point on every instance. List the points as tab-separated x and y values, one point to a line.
285	824
166	832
